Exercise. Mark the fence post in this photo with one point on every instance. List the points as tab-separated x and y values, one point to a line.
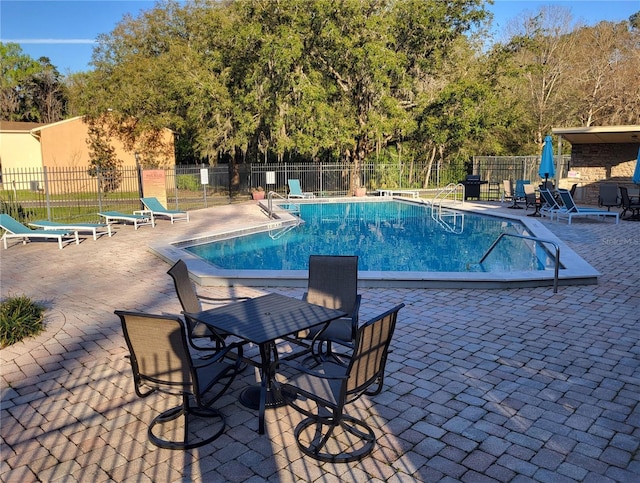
99	183
175	186
46	191
139	173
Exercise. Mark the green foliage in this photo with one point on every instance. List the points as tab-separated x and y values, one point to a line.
190	182
103	162
324	80
12	207
276	80
31	90
20	317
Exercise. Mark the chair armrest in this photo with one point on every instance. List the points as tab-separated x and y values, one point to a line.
311	372
211	300
221	354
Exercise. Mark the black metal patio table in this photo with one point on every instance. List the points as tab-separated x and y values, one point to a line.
262	320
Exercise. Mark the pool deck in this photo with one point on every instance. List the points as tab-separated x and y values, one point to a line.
482	384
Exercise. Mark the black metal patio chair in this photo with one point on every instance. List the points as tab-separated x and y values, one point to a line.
608	195
628	205
333	283
191	302
327	433
161	362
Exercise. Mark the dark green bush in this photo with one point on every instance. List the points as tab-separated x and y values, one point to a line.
20	317
14	209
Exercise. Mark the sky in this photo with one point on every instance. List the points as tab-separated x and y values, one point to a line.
65	30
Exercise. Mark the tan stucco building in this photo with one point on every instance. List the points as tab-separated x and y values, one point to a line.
32	147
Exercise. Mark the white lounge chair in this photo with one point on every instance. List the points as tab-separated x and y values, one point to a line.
15	229
295	190
573	210
94	228
152	205
137	220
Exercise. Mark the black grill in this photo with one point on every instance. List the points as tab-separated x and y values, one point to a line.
472	185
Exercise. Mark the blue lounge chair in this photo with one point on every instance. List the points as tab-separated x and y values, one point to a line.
137	220
94	228
152	205
15	229
295	190
550	206
573	210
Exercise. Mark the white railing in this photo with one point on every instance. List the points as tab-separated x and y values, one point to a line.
446	192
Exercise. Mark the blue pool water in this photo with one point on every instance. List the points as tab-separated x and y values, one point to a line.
386	236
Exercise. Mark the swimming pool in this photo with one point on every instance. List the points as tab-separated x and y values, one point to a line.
387	236
276	251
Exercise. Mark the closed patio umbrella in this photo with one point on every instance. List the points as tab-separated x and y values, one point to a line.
636	173
547	168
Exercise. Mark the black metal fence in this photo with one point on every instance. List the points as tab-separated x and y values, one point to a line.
76	194
499	168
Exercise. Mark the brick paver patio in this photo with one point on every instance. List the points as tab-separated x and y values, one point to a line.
482	385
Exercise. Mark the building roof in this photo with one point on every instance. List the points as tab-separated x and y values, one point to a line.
599	134
15	126
57	123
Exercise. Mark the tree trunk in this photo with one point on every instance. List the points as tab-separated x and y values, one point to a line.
427	172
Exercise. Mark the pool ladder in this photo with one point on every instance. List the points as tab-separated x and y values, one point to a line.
292	207
280	232
536	239
450	220
447	191
445	217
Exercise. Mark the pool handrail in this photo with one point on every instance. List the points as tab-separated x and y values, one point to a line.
451	188
536	239
270	202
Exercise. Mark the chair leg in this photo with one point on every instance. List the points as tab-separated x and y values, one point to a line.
379	383
184	412
332	446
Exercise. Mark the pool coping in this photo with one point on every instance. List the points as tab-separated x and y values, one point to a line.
575	271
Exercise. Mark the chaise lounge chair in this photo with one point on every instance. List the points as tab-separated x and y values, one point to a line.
295	190
573	210
550	206
15	229
152	205
94	228
137	220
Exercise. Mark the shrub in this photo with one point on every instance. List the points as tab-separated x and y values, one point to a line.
188	182
14	209
20	317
